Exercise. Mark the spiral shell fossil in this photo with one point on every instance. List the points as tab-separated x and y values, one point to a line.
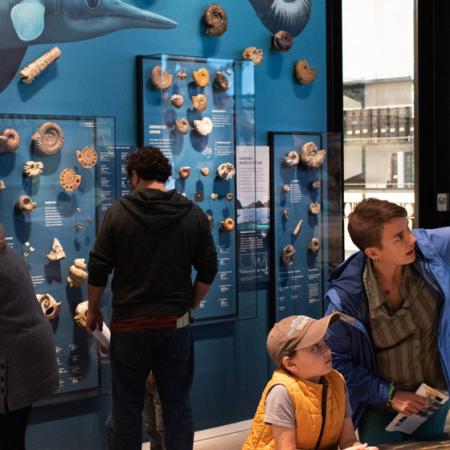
227	224
9	140
182	126
57	251
33	168
226	171
184	172
50	307
314	245
288	254
81	311
87	157
177	100
253	54
292	158
25	204
304	73
203	126
77	273
215	19
69	180
282	41
48	139
199	102
201	76
310	156
221	83
161	79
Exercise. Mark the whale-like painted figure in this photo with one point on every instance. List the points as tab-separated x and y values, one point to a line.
30	22
287	15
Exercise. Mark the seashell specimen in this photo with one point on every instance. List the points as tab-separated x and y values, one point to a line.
285	214
215	19
229	196
184	172
201	76
253	54
25	204
161	79
204	171
183	126
203	126
177	100
48	139
50	307
81	311
69	180
227	224
304	73
199	102
221	83
77	273
33	70
288	254
33	168
2	185
286	188
57	251
214	196
315	184
292	158
297	228
311	156
314	208
282	41
314	245
226	171
87	157
9	140
182	74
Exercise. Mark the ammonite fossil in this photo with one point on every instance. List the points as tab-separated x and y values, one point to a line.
229	196
314	208
199	102
77	273
304	73
69	180
253	54
282	40
177	100
9	140
50	307
33	168
57	251
81	311
310	156
183	126
204	171
227	224
221	83
201	77
288	254
215	19
87	157
48	139
297	228
203	126
314	245
161	79
184	172
292	158
226	171
25	204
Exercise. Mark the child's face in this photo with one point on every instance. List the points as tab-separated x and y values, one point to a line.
310	363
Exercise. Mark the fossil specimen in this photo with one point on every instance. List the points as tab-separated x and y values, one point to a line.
203	126
33	70
199	102
226	171
282	40
81	311
2	185
297	228
28	249
183	126
199	196
177	100
57	251
314	245
227	224
201	76
285	214
69	180
314	208
211	221
221	83
214	196
161	79
315	184
77	273
253	54
87	157
184	172
288	254
286	188
33	168
48	139
204	171
311	156
292	158
50	307
182	74
9	140
25	204
229	196
215	19
304	73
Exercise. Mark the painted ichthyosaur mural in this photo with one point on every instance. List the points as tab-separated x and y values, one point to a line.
30	22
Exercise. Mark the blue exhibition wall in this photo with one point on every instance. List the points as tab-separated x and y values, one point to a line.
97	77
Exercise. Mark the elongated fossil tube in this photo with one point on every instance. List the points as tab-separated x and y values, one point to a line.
34	69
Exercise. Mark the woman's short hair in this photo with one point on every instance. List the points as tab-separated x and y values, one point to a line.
149	163
366	222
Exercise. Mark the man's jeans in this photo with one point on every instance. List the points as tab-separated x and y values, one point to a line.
170	355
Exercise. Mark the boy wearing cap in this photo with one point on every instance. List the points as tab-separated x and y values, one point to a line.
305	405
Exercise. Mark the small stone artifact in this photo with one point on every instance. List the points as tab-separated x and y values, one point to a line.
50	307
25	204
215	19
161	79
314	245
227	224
183	126
226	171
201	76
221	83
199	102
288	254
310	156
297	228
2	185
184	172
282	41
77	273
203	126
253	54
33	168
304	73
69	180
57	251
87	157
48	139
292	158
9	140
204	171
314	208
177	100
81	311
33	70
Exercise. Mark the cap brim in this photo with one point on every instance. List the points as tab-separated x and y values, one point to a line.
317	330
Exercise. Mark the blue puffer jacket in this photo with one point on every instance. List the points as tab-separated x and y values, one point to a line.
353	351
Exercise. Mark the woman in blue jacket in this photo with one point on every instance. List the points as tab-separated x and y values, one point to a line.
397	291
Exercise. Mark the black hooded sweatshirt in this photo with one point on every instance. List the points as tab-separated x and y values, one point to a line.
152	239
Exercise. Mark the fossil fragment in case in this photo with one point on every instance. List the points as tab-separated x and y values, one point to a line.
201	76
288	254
199	102
48	139
77	273
314	208
311	157
80	316
227	224
87	157
182	125
33	168
9	140
253	54
69	180
221	82
184	172
297	228
203	126
286	188
57	251
161	79
215	19
304	73
204	171
34	69
25	204
50	307
177	100
292	158
226	171
282	41
314	245
285	214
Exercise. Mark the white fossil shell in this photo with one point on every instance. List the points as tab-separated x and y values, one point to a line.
48	139
204	171
33	168
297	228
25	204
226	171
184	172
50	307
292	158
2	185
214	196
177	100
9	140
57	251
34	69
69	180
314	208
311	157
77	273
288	254
203	126
227	224
87	157
81	311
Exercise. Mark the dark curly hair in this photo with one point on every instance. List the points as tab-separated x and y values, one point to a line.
149	164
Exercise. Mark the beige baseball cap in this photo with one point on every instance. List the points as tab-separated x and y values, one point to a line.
296	332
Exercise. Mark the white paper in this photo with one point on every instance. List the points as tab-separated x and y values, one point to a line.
103	339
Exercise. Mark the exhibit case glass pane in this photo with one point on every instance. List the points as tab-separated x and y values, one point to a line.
56	184
200	113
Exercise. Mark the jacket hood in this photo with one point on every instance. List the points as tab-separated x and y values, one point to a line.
155	208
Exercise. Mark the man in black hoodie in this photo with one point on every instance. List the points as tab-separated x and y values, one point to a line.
151	238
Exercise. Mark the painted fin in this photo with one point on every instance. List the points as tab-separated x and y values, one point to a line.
28	19
11	59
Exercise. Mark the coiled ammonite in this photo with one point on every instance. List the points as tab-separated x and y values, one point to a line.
227	224
310	156
304	73
69	180
199	102
221	82
9	140
201	76
87	157
215	19
183	126
48	139
161	79
282	40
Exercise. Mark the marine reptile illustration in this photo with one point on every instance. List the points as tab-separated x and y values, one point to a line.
31	22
